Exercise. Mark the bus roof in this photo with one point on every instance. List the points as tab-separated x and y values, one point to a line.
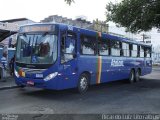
91	33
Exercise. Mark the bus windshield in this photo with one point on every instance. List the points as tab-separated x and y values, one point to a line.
36	48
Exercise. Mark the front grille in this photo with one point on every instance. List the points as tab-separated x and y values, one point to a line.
32	71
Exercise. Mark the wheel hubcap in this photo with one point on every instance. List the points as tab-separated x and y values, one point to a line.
132	76
83	83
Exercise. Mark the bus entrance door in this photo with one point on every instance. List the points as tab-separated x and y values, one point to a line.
69	59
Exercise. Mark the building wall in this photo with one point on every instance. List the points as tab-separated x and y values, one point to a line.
79	22
14	37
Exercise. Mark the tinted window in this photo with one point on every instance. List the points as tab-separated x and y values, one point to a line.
134	49
147	51
103	47
36	48
141	51
88	45
68	43
115	48
125	49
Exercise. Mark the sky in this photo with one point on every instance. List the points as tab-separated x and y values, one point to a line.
37	10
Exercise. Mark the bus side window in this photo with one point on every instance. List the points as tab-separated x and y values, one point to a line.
67	47
125	49
147	52
63	43
141	51
88	45
103	47
134	50
115	48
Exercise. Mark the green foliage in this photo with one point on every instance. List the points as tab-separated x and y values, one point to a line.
69	1
135	15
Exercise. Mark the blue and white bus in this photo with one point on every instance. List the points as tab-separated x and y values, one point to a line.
59	56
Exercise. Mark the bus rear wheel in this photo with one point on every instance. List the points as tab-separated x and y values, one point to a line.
137	76
83	83
131	76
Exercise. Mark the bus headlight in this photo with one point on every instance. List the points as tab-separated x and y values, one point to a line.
51	76
16	73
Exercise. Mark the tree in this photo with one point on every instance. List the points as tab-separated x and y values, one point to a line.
69	1
135	15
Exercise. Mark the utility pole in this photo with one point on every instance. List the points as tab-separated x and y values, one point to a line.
143	35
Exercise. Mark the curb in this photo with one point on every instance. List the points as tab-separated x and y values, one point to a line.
9	87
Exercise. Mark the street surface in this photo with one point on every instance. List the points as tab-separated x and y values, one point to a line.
115	97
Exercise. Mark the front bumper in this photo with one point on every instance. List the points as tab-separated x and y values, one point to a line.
39	83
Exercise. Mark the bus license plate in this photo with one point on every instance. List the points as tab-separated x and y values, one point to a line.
30	83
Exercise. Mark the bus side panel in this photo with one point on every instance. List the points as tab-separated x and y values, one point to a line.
68	75
138	63
88	64
131	63
106	74
111	72
101	70
118	68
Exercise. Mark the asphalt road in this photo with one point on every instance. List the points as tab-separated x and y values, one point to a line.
115	97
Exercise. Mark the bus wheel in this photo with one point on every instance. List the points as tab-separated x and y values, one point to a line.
83	83
137	76
131	77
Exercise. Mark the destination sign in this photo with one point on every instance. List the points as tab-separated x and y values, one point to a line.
37	28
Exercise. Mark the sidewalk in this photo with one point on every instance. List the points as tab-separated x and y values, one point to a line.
8	84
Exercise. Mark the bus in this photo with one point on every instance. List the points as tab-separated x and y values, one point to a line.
58	56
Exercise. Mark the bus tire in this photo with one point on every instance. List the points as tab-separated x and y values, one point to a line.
137	76
131	76
83	83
